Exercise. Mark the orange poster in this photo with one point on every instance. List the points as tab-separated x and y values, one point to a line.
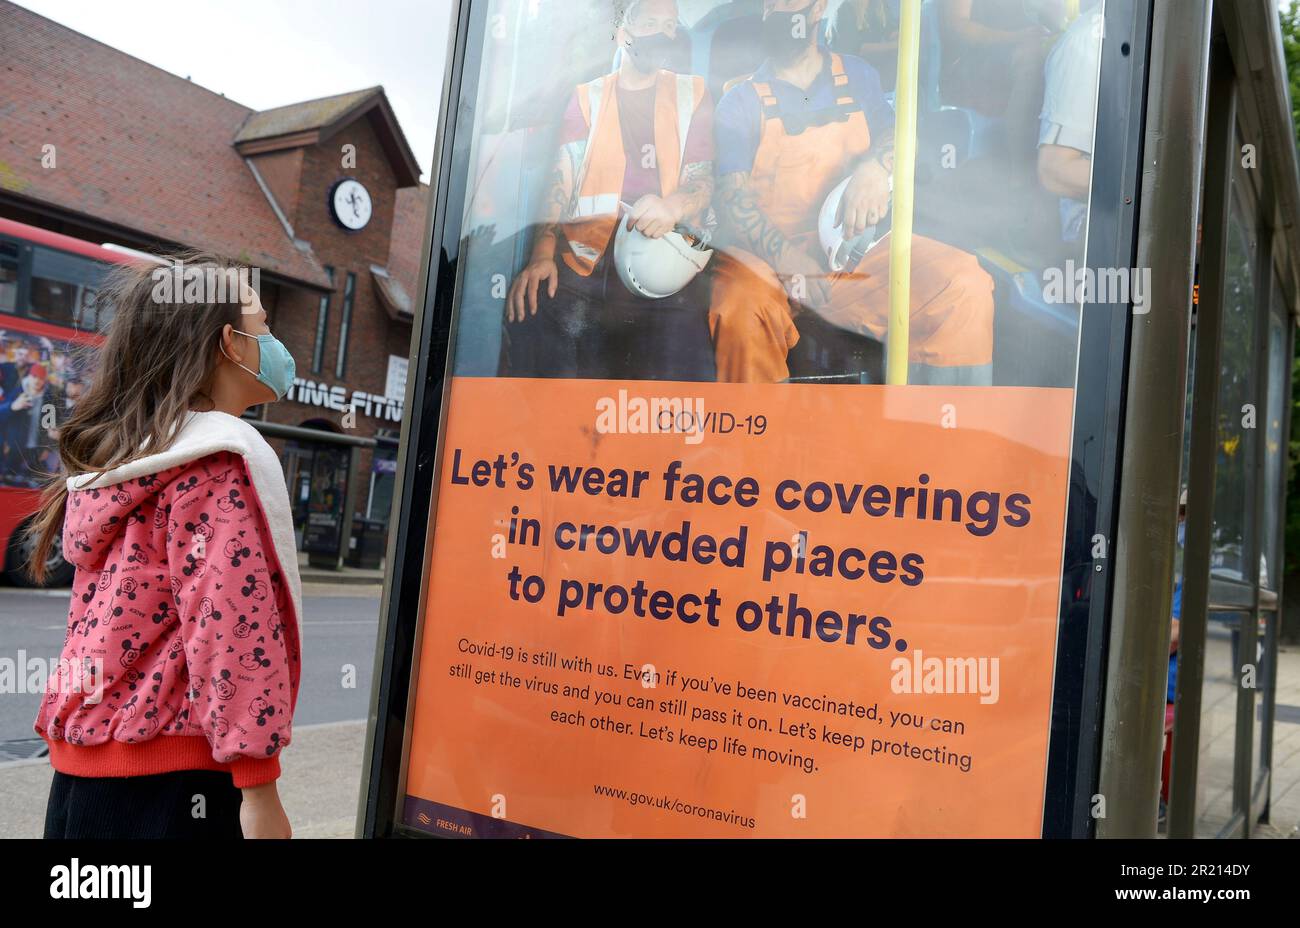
712	610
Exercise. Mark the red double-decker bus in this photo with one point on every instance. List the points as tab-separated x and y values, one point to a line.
50	324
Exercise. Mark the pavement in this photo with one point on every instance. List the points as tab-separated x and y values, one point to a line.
321	778
1284	805
321	769
320	783
345	576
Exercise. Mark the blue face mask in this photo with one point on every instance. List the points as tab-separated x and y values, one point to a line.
277	367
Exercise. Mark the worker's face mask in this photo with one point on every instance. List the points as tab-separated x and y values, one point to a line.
785	35
651	52
277	369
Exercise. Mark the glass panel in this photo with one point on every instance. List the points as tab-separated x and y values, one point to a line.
1264	646
1234	469
382	481
1279	388
697	201
1214	771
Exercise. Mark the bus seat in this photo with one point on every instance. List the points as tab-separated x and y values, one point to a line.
1034	341
972	133
734	48
827	354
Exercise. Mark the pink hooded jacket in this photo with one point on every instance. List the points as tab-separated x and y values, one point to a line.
182	649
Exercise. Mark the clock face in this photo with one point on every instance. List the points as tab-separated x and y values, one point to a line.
350	204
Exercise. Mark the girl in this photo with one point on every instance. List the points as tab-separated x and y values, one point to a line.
179	674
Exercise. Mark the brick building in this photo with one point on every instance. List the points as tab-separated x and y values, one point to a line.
147	160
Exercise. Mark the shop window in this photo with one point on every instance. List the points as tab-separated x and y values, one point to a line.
383	476
322	328
345	325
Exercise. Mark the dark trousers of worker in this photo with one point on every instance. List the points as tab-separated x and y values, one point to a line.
595	328
186	804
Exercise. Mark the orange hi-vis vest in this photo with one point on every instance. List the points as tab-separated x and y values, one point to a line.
594	212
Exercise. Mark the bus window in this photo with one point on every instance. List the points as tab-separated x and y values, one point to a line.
63	288
38	375
8	276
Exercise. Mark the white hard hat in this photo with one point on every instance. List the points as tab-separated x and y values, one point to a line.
842	254
656	267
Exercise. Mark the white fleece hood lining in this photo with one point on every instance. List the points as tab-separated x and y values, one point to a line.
204	433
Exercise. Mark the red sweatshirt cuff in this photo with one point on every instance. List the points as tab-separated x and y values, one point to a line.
250	773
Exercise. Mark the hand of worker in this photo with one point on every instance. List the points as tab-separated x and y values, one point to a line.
805	280
866	198
652	216
522	300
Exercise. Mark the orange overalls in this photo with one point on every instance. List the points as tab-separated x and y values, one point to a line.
749	315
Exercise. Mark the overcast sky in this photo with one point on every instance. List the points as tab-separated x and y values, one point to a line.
266	53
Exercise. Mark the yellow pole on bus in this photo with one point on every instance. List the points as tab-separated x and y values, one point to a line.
897	346
1071	10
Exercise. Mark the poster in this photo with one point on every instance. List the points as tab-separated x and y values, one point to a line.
694	569
763	628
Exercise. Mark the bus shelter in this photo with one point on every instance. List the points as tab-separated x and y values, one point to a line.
823	427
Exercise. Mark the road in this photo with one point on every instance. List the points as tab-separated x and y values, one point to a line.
339	632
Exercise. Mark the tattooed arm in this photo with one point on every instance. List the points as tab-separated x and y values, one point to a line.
866	199
802	274
739	211
882	149
655	216
542	269
695	192
555	204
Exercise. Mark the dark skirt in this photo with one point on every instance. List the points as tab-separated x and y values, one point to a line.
190	804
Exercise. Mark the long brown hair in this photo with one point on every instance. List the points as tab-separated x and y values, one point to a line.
155	365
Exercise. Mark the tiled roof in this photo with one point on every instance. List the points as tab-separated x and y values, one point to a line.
303	117
394	297
134	146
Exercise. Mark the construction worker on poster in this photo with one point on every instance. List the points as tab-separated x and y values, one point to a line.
808	138
635	145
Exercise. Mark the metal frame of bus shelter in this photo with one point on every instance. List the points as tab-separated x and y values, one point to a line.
1102	387
1246	73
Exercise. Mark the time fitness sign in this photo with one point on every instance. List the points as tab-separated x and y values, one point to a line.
374	405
